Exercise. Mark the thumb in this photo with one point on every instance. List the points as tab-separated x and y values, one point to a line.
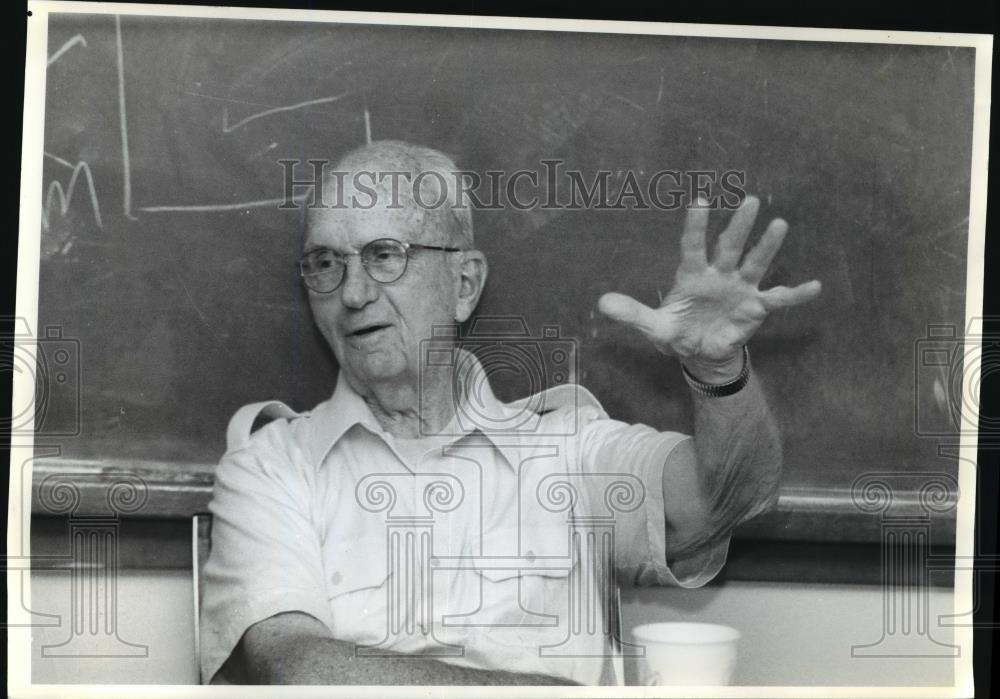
627	310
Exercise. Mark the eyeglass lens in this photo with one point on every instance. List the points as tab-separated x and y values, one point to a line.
384	260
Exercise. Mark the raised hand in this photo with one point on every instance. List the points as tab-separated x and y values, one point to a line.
714	308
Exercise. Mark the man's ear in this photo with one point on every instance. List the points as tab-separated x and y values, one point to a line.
471	280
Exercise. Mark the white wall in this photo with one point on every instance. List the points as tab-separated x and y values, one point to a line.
802	634
798	634
154	609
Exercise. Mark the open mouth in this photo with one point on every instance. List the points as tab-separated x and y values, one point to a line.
368	330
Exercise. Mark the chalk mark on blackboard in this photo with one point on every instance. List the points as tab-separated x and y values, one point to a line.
368	126
263	150
225	99
66	195
126	164
627	101
194	208
227	128
432	76
950	61
946	253
193	304
959	227
78	39
61	161
711	134
298	46
272	306
892	59
659	92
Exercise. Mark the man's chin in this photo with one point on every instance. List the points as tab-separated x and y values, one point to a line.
374	366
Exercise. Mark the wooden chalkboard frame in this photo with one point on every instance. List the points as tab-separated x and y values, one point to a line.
174	491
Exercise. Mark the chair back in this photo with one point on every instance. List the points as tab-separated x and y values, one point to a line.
201	546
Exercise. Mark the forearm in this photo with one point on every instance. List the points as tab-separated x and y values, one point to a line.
737	455
329	661
292	652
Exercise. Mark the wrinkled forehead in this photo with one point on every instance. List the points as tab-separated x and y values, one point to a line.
351	228
360	202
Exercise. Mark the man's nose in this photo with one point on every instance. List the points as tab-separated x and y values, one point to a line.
358	289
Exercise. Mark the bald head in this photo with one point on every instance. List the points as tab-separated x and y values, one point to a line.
419	186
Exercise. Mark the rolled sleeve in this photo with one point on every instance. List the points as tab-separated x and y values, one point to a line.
266	554
611	446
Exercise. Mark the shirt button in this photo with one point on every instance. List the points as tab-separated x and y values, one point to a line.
336	578
530	556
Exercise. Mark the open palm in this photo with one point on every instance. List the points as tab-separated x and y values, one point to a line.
714	308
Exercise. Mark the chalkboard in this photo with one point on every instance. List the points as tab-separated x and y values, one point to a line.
177	286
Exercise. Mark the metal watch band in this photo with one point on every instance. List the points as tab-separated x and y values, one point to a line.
724	389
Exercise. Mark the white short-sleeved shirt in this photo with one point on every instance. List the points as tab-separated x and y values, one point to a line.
488	546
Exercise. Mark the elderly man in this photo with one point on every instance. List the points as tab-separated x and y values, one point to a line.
413	529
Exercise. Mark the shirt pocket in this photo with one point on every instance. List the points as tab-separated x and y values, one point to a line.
530	589
524	610
355	565
526	597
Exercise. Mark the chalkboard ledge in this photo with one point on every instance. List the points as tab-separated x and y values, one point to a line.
170	490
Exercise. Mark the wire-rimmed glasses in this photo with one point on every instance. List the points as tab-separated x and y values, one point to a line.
385	260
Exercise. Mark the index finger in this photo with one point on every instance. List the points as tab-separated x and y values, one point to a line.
693	257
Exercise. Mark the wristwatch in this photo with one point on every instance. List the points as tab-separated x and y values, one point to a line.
713	390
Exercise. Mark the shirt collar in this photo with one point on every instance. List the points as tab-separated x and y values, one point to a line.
483	412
